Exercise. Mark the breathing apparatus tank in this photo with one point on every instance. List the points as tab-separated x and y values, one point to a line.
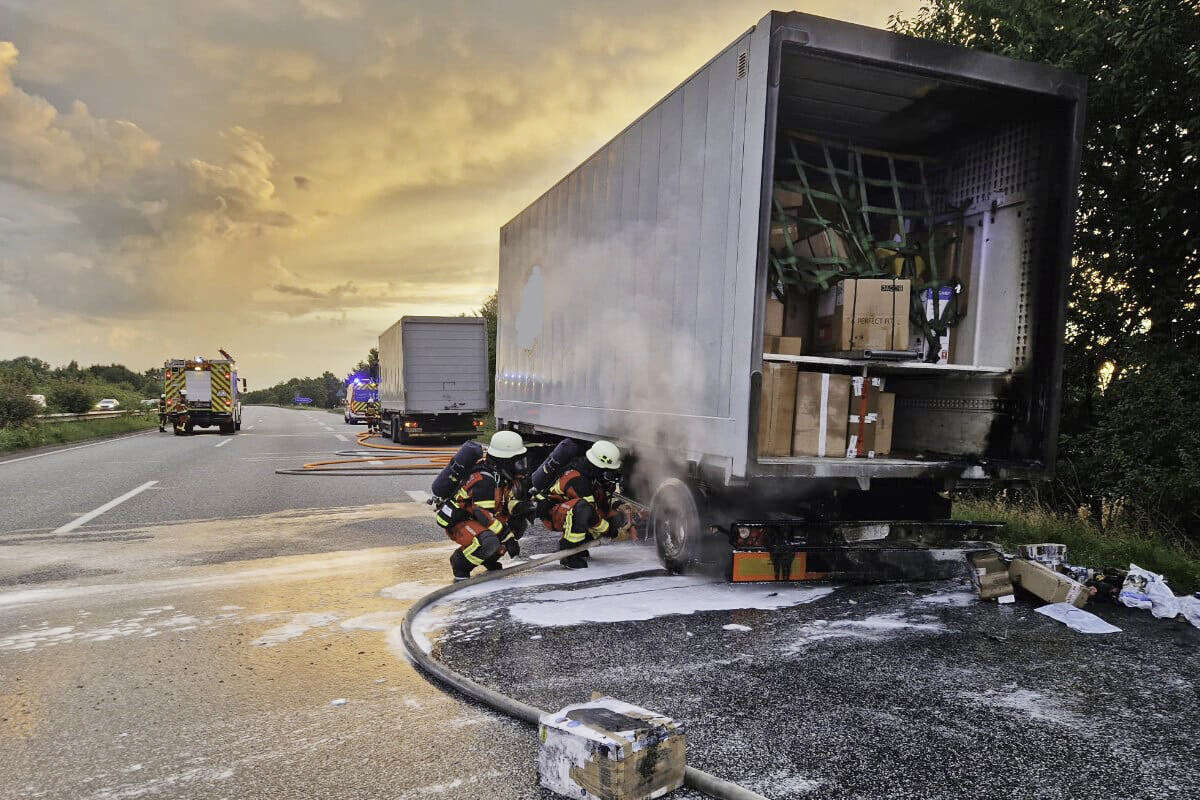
553	466
451	477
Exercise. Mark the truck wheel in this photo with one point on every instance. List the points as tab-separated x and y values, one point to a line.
178	431
395	431
675	525
237	426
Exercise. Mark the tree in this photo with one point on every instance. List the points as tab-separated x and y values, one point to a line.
370	366
16	407
490	311
1133	315
73	397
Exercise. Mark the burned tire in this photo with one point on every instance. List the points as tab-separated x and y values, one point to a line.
675	525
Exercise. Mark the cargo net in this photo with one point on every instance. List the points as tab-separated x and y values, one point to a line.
843	211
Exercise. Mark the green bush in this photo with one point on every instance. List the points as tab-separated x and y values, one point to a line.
16	407
72	397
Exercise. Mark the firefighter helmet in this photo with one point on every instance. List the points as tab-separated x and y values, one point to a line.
605	455
506	444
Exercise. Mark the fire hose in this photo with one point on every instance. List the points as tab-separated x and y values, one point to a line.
416	459
694	778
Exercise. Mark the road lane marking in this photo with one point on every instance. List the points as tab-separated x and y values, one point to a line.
76	447
91	515
377	463
418	496
223	442
341	438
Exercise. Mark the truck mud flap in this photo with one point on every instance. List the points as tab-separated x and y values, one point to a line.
851	564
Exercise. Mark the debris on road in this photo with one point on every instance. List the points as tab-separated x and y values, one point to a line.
1149	591
1047	554
341	701
991	576
1045	583
733	626
606	749
1077	618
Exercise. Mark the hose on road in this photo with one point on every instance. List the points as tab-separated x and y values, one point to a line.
694	778
417	459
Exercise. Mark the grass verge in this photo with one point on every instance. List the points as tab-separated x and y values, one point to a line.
49	433
1088	545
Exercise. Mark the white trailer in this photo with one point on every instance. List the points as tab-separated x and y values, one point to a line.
633	293
433	378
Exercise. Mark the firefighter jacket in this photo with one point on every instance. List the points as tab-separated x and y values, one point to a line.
485	498
558	504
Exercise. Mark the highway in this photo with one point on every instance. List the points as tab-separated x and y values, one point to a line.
176	620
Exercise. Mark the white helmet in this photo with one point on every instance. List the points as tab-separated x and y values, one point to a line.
506	444
605	455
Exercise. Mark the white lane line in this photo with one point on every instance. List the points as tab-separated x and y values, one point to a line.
376	463
249	427
116	501
341	438
223	442
418	496
76	447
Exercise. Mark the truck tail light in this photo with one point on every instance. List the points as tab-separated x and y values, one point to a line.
749	536
479	423
410	424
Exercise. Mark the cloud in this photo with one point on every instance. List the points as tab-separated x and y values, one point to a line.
291	176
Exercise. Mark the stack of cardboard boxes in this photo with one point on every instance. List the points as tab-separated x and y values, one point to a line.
821	414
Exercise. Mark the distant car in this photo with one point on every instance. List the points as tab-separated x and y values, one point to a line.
150	402
40	399
107	404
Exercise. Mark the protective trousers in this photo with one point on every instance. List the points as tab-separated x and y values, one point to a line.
477	546
578	522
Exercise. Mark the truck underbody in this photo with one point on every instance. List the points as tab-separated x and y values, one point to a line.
401	427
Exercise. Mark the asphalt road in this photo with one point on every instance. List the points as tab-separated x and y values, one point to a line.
196	639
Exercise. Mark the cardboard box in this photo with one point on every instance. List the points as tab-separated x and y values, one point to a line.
1048	554
821	403
827	244
776	409
799	313
863	416
887	421
781	233
991	576
863	314
784	345
773	318
919	342
1043	582
787	199
609	750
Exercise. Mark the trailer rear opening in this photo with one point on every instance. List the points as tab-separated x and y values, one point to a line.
678	292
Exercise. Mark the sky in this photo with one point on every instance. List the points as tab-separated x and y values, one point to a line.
285	179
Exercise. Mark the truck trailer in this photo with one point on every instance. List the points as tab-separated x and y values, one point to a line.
203	393
672	293
433	376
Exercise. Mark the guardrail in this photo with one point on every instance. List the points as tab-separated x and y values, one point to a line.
85	415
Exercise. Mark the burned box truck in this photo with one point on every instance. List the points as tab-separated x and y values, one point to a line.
814	289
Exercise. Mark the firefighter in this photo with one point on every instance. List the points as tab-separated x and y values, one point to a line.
162	413
484	517
579	503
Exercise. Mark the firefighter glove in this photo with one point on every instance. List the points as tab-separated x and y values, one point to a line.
512	546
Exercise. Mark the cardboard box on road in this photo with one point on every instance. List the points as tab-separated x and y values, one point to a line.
1051	586
609	750
991	576
863	314
777	408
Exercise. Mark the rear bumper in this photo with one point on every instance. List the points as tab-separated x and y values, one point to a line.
858	552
